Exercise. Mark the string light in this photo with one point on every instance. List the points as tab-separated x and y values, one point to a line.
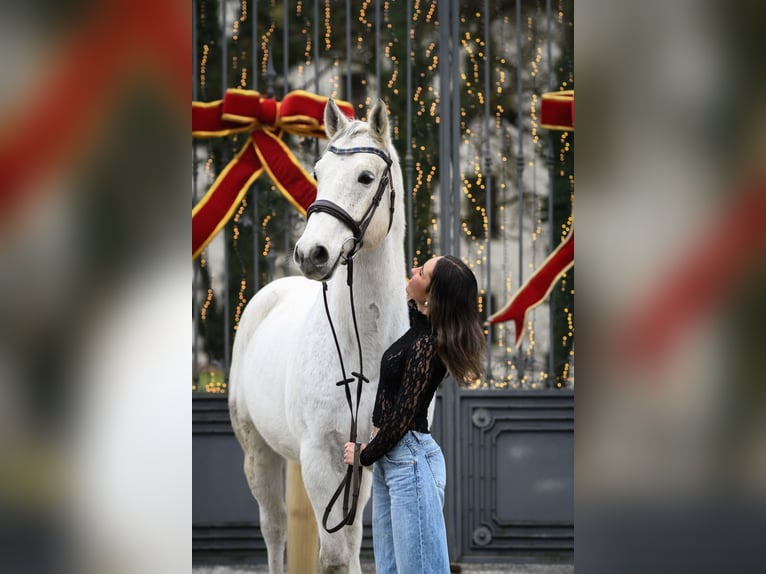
478	161
266	46
327	27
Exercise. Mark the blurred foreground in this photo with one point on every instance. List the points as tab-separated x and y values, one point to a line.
670	449
95	362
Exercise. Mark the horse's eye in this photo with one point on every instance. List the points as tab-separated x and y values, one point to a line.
314	175
366	178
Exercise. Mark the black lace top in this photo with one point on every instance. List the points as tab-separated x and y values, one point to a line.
410	373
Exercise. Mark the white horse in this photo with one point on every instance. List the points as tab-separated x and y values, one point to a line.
283	400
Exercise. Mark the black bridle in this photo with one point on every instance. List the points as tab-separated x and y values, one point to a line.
351	484
358	228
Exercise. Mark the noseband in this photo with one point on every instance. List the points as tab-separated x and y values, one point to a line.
358	228
351	484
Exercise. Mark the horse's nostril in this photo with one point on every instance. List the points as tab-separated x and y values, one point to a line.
319	255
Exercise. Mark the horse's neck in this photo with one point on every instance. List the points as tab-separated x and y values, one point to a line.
378	283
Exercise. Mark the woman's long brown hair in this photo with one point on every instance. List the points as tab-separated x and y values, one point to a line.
454	315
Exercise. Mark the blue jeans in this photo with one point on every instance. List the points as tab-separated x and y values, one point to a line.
408	530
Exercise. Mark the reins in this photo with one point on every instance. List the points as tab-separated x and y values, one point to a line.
351	484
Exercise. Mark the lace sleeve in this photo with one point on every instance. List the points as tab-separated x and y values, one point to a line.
417	374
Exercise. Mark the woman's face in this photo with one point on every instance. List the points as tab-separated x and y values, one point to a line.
418	286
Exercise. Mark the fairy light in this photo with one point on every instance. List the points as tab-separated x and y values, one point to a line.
266	237
473	171
335	82
388	51
241	301
203	66
430	14
215	381
266	45
206	304
327	26
531	336
363	15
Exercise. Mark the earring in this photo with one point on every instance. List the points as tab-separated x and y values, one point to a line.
426	303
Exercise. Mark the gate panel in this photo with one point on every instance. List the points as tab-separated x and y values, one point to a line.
516	461
225	520
511	461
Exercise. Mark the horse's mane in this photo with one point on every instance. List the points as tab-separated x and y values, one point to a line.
353	129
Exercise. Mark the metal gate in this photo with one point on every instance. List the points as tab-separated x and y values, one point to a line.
485	182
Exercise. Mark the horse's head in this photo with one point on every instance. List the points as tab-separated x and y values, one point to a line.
356	178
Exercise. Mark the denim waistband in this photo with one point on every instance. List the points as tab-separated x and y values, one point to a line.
416	441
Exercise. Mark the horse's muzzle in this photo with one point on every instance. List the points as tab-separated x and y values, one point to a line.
315	264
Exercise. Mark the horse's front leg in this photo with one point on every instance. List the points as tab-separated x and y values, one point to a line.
323	470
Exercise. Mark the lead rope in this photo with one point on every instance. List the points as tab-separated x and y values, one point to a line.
351	484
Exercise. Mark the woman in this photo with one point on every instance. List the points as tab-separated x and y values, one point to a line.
409	473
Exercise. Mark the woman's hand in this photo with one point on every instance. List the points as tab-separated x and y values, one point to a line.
348	452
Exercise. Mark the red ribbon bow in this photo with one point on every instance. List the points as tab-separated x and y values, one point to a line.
267	120
557	110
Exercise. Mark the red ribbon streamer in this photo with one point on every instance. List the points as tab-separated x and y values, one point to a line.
100	57
266	120
537	287
556	113
731	250
557	110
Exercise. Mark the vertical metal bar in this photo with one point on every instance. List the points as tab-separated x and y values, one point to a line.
256	185
488	182
226	318
316	57
195	166
455	143
316	67
288	227
195	72
254	34
408	153
552	231
452	141
285	46
520	157
452	449
445	113
348	51
286	86
224	48
377	47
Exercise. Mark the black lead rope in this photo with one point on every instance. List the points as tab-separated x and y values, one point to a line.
351	484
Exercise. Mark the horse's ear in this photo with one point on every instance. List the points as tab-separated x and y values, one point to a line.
334	120
378	121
